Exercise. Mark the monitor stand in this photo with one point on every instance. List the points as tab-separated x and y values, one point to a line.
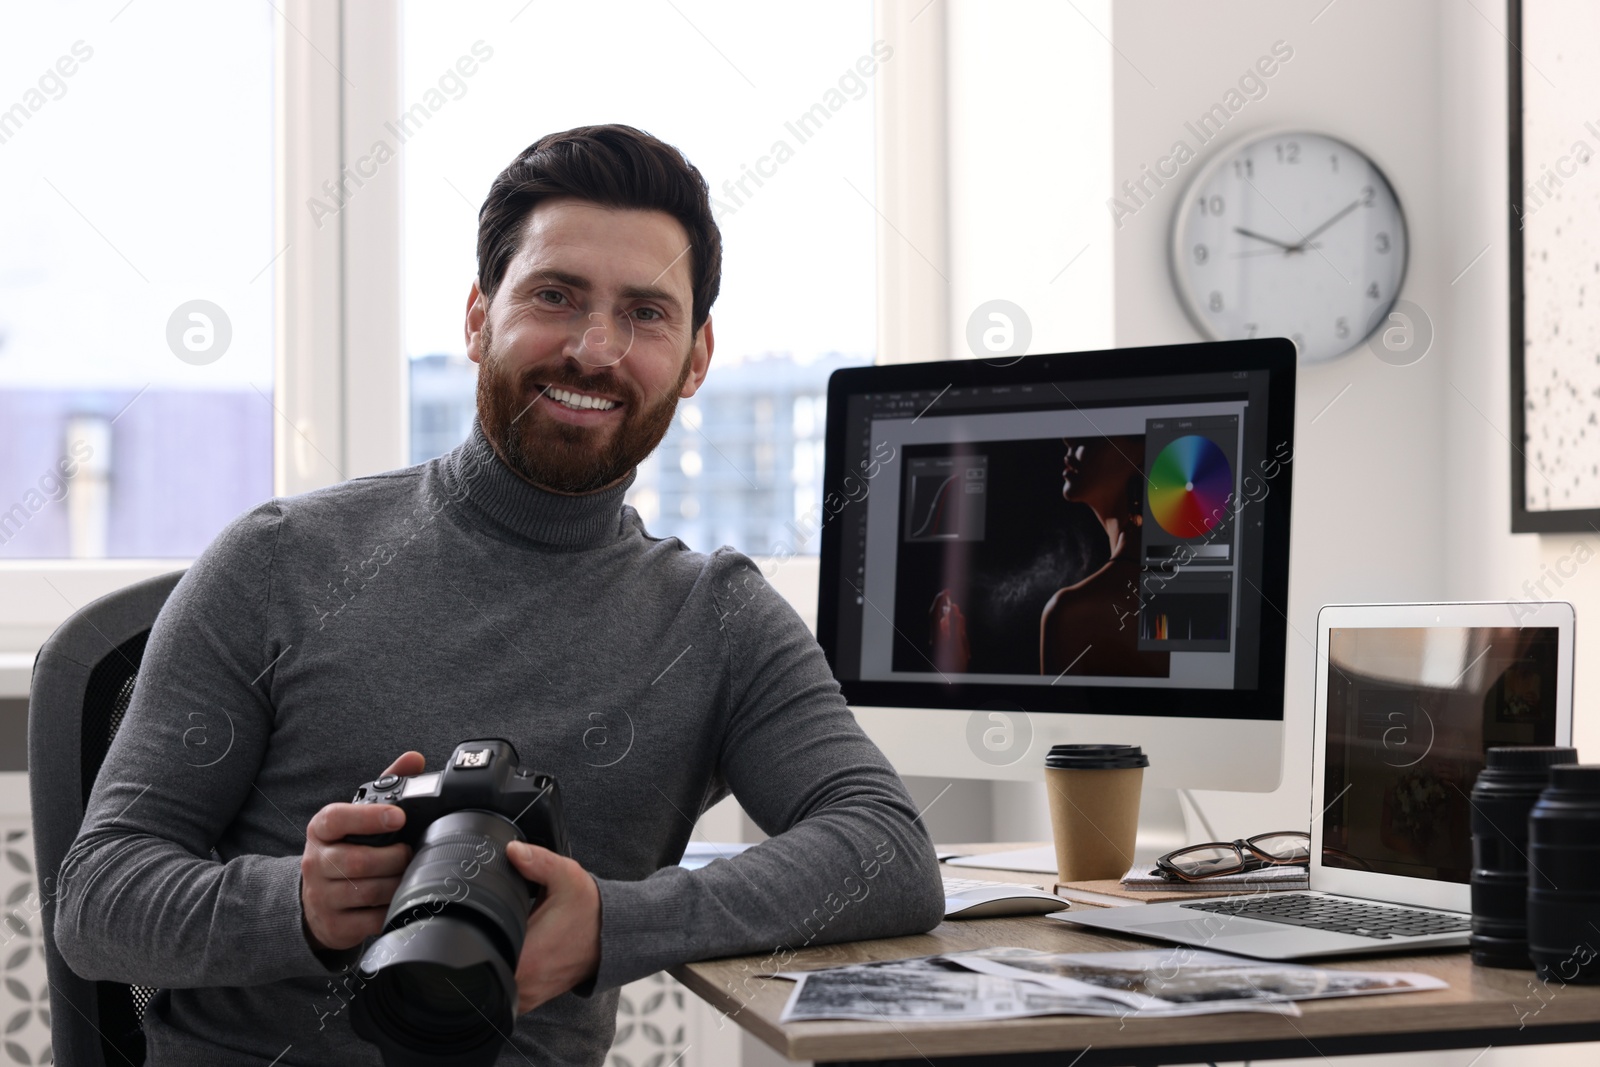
1163	825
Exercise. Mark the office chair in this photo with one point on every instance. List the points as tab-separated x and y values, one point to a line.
83	680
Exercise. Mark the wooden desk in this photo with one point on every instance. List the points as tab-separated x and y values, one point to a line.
1483	1006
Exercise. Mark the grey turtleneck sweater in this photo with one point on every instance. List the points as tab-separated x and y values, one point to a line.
321	635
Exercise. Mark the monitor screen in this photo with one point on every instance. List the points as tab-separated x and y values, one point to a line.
1411	712
1095	532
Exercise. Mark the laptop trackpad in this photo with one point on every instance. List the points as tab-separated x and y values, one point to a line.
1200	930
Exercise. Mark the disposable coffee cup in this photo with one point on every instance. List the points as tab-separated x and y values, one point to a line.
1094	808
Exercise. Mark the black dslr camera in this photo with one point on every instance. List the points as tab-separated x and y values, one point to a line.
441	977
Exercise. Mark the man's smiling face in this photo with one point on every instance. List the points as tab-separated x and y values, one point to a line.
588	343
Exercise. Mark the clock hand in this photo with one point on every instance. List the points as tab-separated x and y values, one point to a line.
1348	208
1269	240
1266	252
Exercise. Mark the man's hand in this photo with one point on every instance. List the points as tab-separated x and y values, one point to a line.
562	945
345	889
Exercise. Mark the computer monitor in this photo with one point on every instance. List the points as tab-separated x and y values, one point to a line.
1083	547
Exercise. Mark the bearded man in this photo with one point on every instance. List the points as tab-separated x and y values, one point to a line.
503	590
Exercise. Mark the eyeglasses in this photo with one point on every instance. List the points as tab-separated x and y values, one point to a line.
1195	862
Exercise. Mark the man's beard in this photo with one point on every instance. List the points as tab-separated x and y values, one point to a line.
564	457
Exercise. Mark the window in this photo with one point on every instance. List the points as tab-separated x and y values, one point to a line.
136	358
774	105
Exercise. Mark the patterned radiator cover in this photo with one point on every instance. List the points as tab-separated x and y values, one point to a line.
655	1016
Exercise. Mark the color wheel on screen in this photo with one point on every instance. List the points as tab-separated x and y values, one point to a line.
1190	483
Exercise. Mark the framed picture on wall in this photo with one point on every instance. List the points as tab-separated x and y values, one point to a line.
1554	79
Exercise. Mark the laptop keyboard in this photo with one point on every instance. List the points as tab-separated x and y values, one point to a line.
1339	915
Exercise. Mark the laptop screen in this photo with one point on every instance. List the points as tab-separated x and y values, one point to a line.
1410	713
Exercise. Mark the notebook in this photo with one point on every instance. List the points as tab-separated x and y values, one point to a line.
1146	877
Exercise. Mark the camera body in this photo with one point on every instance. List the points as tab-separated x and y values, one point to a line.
482	775
440	980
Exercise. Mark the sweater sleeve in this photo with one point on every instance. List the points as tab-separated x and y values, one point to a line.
142	900
847	858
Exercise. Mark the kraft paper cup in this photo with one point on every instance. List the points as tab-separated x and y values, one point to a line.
1094	808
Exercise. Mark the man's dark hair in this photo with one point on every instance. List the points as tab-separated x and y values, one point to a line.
612	165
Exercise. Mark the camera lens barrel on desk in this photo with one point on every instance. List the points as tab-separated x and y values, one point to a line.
1564	876
1536	863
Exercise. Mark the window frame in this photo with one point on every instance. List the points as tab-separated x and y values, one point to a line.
338	374
340	389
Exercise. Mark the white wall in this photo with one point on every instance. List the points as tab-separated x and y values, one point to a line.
1402	486
1484	560
1028	152
1034	151
1368	498
1029	139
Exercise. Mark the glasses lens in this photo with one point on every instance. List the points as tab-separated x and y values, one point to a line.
1285	848
1204	860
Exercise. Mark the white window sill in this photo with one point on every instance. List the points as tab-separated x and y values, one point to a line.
16	669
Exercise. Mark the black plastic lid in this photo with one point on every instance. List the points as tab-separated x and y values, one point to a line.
1576	778
1096	757
1529	757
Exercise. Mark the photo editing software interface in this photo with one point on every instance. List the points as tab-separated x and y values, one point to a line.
1101	532
1411	713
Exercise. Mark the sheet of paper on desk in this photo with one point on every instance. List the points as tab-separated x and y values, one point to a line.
1006	983
938	988
1038	860
697	854
1186	975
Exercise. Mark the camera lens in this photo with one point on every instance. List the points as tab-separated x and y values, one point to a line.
1501	799
442	986
428	1011
455	992
1564	876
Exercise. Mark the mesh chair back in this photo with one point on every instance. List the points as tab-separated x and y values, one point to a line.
83	680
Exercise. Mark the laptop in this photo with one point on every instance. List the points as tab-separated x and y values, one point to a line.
1408	697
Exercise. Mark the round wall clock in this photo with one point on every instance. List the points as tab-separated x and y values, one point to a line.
1290	234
